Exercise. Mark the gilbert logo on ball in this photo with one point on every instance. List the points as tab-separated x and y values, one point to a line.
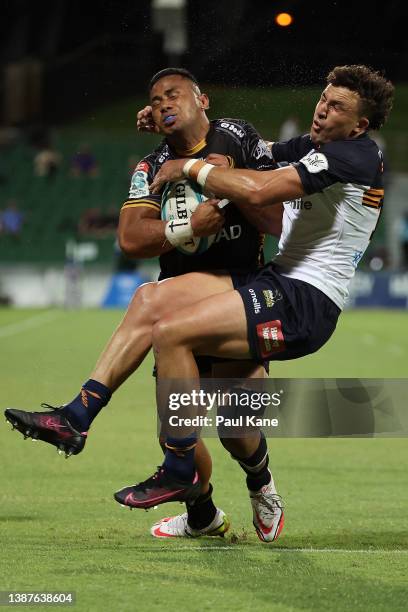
179	201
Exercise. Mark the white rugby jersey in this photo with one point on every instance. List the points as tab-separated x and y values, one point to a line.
326	232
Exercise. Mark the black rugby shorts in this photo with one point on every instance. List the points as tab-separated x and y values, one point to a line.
286	318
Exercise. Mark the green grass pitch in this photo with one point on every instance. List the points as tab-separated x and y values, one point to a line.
345	542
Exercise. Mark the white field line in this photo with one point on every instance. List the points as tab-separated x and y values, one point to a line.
395	349
344	551
31	323
371	340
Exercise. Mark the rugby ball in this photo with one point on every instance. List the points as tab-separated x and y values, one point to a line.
179	201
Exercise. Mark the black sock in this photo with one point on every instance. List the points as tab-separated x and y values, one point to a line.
203	511
256	466
179	457
87	404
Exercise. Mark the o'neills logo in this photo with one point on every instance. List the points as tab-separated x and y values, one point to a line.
255	301
270	338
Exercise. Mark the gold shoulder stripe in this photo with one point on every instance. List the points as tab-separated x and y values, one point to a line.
142	200
372	198
140	204
375	191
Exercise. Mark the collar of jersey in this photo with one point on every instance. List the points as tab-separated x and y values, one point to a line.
188	152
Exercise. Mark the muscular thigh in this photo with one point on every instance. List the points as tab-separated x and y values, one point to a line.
180	291
215	326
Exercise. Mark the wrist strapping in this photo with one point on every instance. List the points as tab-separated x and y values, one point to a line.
178	232
203	173
197	170
189	164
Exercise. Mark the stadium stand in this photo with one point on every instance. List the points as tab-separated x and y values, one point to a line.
53	206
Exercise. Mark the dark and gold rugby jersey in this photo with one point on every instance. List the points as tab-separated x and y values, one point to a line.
238	245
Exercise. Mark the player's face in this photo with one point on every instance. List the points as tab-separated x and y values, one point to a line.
176	104
337	116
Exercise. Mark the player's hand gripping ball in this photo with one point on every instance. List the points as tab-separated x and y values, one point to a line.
179	202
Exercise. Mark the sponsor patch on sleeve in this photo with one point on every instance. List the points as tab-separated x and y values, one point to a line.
270	338
315	162
139	186
143	166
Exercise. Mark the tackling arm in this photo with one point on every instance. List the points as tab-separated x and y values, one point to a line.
254	187
267	220
241	186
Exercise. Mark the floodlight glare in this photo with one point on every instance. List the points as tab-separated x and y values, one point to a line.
284	19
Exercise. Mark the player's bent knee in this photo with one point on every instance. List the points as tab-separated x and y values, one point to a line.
144	300
153	298
167	332
160	337
145	293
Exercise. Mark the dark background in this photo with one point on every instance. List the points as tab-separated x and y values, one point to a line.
92	53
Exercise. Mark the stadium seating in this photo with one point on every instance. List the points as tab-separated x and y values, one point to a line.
52	207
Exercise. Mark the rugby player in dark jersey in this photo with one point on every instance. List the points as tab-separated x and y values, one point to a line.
237	248
332	191
179	109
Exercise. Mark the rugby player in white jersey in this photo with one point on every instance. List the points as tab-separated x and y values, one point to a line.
333	193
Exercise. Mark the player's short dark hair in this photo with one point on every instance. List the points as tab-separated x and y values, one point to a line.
376	93
169	72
